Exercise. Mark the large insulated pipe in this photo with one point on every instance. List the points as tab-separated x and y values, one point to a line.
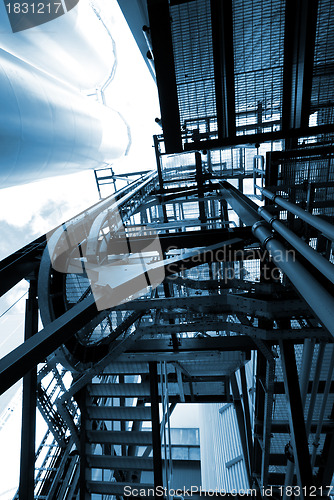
323	226
320	301
74	47
48	128
325	267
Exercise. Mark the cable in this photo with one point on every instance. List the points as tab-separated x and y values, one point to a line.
9	308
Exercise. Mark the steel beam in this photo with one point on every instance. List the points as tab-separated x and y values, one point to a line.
222	303
182	239
258	138
296	415
161	36
35	349
20	264
299	42
223	60
279	387
29	401
222	343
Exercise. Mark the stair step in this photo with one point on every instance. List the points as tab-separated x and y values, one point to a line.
119	463
119	413
113	488
140	438
126	369
119	390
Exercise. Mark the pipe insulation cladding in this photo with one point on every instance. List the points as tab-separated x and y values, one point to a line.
48	128
75	47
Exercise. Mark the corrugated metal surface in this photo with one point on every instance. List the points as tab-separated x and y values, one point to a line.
220	444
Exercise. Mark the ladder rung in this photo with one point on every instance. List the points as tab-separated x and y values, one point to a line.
110	488
119	390
126	369
119	463
119	413
120	437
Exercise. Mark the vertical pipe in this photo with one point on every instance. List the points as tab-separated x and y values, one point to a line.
28	432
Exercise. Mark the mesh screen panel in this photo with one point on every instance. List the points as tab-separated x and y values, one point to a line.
323	71
258	36
193	58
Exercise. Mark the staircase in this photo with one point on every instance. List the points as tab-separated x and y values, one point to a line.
117	441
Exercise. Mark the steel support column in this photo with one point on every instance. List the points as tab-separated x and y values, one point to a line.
222	39
154	392
199	179
241	425
82	401
326	469
160	30
296	415
247	414
300	30
28	432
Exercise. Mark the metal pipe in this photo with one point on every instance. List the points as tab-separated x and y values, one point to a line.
320	301
325	227
323	265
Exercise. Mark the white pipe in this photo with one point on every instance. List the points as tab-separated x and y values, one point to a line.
48	128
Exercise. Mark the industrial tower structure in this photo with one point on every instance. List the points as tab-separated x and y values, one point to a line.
162	292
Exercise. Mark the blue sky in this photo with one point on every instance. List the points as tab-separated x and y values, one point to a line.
30	210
